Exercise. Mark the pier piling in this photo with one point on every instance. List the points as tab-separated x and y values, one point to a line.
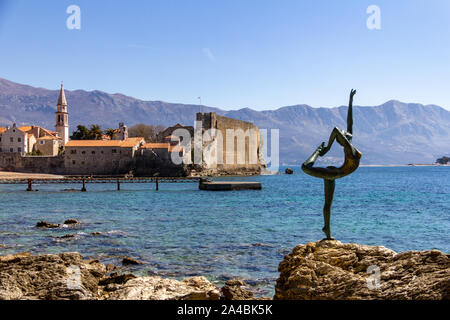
30	185
83	189
118	184
157	185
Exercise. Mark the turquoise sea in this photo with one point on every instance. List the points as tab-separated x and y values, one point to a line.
180	231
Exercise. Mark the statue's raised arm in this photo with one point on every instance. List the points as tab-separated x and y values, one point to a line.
350	112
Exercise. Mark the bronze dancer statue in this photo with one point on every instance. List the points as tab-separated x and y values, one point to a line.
330	174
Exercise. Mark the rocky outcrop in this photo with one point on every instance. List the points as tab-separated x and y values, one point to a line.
130	261
45	224
157	288
68	276
49	225
50	277
71	221
236	290
329	269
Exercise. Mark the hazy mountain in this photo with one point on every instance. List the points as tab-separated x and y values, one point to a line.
393	133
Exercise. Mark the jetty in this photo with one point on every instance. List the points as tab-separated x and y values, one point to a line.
229	185
204	184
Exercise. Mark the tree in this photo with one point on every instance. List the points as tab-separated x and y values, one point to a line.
110	132
443	160
95	132
83	133
148	132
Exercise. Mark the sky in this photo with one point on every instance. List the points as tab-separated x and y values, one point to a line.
233	54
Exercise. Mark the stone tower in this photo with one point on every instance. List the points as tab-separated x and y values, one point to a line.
62	117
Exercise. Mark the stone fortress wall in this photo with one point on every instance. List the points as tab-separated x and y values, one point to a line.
234	146
30	164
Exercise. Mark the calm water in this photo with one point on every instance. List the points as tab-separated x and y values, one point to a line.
180	231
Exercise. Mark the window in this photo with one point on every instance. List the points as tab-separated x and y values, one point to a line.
19	139
73	151
114	151
19	149
83	152
1	149
11	150
11	139
0	138
73	161
40	142
82	162
93	152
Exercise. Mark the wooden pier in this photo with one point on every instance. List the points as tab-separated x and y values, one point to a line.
204	184
84	180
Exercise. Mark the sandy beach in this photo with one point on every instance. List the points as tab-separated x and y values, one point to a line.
20	175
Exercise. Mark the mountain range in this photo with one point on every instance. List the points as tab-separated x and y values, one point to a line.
391	133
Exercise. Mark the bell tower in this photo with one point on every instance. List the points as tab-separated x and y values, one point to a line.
62	117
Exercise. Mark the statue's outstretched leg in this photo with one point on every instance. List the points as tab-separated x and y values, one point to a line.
329	193
310	161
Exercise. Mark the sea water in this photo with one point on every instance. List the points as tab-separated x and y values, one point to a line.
180	231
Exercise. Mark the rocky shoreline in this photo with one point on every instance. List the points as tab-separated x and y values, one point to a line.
331	270
67	276
328	270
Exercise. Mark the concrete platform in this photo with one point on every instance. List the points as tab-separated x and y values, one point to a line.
229	185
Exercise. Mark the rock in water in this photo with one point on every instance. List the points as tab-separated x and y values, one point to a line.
45	224
335	270
236	290
289	171
130	261
157	288
71	221
49	277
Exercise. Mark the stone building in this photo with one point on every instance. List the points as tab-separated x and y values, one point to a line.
229	146
163	150
99	157
28	139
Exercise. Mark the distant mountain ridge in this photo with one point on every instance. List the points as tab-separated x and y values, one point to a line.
392	133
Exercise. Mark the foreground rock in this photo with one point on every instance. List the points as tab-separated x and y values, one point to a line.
50	277
68	276
157	288
333	270
236	290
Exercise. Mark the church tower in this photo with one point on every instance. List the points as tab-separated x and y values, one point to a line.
62	117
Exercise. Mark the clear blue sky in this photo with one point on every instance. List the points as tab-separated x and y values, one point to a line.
233	53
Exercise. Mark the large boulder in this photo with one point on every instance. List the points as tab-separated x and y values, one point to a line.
329	269
50	277
157	288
